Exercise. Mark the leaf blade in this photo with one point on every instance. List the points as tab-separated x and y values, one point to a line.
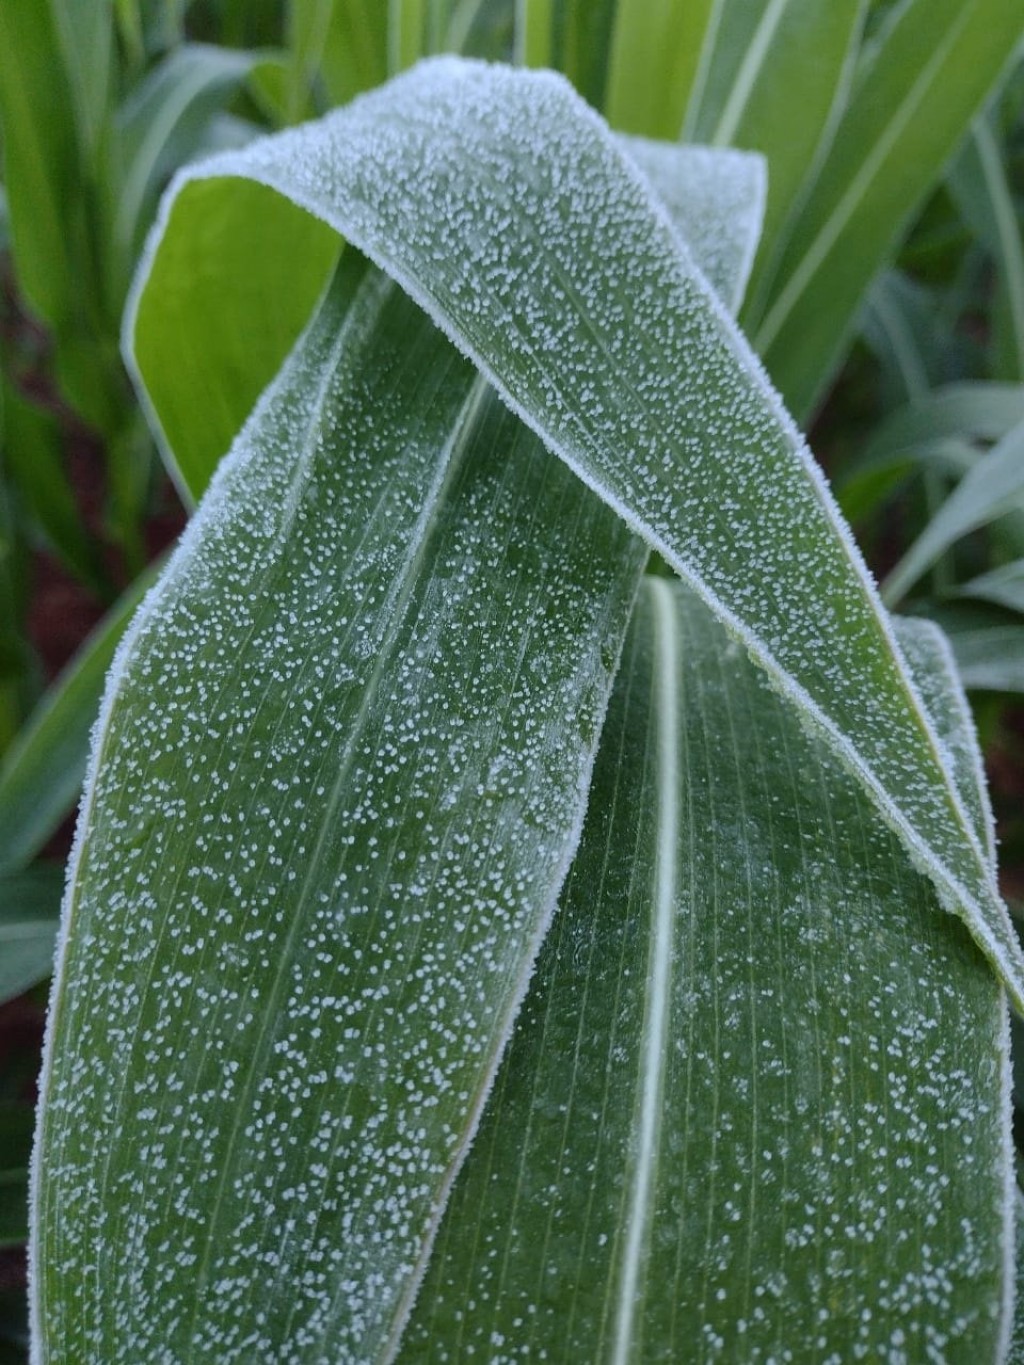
477	121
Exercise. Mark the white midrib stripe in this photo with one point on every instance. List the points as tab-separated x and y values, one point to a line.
659	978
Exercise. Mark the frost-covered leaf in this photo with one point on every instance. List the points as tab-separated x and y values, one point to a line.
502	205
339	775
458	712
755	1106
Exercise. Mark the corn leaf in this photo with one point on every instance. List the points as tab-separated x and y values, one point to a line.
459	172
379	840
757	1083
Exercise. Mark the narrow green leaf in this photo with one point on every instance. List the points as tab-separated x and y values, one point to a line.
40	158
983	410
572	36
910	102
757	1099
41	774
1004	586
939	428
308	26
991	488
85	31
161	124
774	78
655	56
990	659
355	55
587	314
29	911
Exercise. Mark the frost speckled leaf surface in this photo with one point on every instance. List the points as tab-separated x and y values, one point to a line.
339	776
502	204
756	1104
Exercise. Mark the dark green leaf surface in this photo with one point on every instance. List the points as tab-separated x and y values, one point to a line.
341	771
503	206
755	1105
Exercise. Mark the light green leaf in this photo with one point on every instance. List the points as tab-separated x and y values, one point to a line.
990	659
40	158
932	68
756	1100
41	774
85	31
503	206
1004	586
29	911
655	57
572	36
938	429
355	55
994	486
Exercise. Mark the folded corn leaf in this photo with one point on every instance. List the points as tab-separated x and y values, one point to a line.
505	208
402	617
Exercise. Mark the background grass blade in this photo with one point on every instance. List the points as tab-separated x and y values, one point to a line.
654	62
41	774
695	1169
991	658
1003	586
29	911
930	69
626	385
774	80
994	485
985	198
511	512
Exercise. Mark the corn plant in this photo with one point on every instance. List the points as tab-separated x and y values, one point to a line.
485	937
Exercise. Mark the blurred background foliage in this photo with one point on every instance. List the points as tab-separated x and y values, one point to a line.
887	301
